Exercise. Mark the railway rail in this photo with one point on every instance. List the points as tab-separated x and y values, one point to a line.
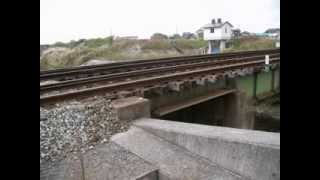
145	81
88	71
123	76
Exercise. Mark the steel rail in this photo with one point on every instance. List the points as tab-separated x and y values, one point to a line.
149	81
87	70
154	59
135	74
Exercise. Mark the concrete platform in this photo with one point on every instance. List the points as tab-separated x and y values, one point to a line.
253	154
104	162
174	162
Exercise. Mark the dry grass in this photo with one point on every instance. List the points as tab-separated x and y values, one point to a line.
247	44
117	50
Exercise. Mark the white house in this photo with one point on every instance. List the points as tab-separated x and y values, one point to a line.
217	34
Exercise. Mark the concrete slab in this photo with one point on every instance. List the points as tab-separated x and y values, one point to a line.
253	154
174	162
104	162
112	162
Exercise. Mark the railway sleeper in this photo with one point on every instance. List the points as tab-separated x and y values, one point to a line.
124	94
141	92
175	86
155	90
187	84
243	72
201	81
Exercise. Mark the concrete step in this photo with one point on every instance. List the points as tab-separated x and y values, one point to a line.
252	154
104	162
174	162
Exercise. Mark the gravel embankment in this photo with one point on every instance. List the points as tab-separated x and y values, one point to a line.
76	127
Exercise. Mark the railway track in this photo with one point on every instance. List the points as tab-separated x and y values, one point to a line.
105	69
145	81
131	75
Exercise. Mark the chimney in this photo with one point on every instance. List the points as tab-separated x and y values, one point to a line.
219	20
213	21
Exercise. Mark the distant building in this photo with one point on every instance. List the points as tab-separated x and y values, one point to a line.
127	38
245	34
217	34
188	35
263	35
273	33
236	33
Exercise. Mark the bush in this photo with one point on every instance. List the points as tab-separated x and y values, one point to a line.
175	36
253	43
156	45
79	52
159	36
98	42
188	35
190	44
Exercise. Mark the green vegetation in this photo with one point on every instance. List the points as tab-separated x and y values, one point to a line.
156	45
157	36
90	43
191	44
252	43
75	53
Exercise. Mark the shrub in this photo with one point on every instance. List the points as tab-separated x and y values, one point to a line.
253	43
158	36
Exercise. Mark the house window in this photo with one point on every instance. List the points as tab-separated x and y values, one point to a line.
226	30
212	30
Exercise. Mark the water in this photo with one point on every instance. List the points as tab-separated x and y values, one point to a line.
268	117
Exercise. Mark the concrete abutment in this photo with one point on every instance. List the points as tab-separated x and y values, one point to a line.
230	110
218	106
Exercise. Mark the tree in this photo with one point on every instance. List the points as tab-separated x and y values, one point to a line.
59	44
188	35
175	36
158	36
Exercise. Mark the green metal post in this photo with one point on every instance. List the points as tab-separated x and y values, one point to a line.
272	80
255	79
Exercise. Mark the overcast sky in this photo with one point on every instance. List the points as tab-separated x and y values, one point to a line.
65	20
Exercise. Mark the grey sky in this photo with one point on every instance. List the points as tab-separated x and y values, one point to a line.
65	20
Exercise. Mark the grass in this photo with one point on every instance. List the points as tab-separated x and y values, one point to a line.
190	44
76	53
247	44
156	44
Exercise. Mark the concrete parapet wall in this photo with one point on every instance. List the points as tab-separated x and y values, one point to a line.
253	154
174	162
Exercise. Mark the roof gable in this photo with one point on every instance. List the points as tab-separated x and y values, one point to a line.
228	23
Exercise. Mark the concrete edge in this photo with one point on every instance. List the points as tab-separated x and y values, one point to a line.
156	169
153	174
238	150
144	123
